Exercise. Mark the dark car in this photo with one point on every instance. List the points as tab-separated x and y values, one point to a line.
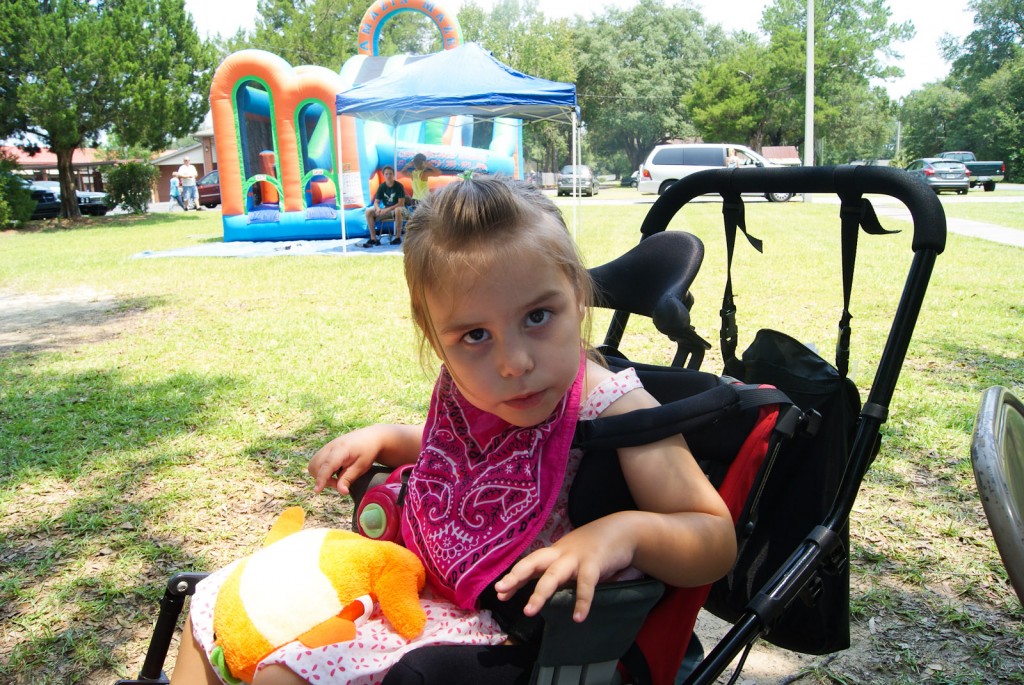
942	174
89	202
209	189
47	204
572	177
630	181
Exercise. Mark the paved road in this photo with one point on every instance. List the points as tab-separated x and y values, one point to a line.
888	206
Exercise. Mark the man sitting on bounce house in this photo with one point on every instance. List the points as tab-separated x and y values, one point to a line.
391	197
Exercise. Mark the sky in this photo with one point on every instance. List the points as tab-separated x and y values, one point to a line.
922	61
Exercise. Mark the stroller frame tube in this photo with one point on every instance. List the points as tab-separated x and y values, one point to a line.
815	553
819	549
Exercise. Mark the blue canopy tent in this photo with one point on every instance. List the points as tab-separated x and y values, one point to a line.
466	80
463	80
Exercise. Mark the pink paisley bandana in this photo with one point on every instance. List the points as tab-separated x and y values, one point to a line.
482	488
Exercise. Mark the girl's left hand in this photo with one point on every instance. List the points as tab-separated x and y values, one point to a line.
589	554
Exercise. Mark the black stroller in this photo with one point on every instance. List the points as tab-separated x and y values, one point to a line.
788	463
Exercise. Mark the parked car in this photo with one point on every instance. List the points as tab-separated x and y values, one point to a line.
984	174
668	163
89	202
942	174
47	204
630	181
572	177
209	189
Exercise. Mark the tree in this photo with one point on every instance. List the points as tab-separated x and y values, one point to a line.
635	67
931	119
756	92
319	32
325	32
133	67
13	23
996	39
851	39
995	127
519	35
737	98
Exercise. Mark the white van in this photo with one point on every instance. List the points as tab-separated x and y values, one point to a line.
668	163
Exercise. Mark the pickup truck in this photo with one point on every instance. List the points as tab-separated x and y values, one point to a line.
984	174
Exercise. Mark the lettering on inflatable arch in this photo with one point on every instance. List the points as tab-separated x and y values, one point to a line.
381	11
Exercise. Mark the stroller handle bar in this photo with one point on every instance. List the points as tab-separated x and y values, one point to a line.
848	182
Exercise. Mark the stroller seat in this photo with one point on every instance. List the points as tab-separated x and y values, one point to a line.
653	280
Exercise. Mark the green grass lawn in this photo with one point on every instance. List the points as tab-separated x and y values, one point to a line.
168	432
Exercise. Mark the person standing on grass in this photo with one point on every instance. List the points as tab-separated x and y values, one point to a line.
189	193
175	192
499	294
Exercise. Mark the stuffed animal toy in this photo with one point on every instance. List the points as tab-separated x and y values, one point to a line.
311	586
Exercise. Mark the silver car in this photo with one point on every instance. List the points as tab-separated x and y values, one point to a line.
942	174
572	177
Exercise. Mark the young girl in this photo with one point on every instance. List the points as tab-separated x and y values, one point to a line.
500	296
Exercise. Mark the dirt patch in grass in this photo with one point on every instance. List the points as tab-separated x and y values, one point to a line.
36	323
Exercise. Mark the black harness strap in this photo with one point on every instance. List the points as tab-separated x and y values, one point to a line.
644	426
733	216
855	213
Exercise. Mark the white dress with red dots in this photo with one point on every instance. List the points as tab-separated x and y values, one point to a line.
366	659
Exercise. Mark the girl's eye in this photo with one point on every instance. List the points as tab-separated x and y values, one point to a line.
476	336
538	317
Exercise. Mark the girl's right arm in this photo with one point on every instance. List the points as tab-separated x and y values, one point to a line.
341	461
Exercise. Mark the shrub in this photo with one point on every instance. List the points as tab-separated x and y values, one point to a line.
16	203
130	185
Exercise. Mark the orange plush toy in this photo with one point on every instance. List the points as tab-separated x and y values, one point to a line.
312	586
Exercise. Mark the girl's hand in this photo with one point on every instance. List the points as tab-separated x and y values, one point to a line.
341	461
589	554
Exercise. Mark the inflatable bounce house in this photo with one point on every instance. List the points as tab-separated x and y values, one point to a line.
292	168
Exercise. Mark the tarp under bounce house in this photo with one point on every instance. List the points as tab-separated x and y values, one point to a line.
288	138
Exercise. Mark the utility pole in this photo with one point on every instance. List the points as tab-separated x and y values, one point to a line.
809	94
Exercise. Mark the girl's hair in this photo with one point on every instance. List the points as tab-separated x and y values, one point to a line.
471	227
419	157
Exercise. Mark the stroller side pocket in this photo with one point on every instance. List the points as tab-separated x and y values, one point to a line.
795	495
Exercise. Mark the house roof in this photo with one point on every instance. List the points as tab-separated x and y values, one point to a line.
46	159
177	157
783	154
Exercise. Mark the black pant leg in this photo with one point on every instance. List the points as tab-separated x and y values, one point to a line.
464	665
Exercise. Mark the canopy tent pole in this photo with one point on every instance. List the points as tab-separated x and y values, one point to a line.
340	192
576	177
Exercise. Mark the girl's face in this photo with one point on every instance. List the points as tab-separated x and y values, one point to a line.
511	338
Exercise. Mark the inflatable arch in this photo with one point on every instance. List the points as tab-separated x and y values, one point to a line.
381	11
290	168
